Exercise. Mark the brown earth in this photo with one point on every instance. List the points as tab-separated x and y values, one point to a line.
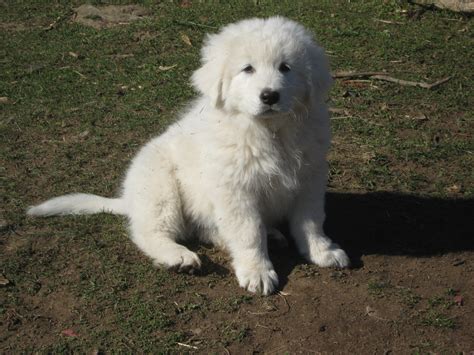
409	290
108	16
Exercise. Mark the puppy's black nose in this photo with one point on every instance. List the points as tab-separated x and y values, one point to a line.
269	97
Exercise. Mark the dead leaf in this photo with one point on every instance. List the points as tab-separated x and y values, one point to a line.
83	134
186	39
69	333
73	54
458	300
165	68
4	100
454	188
420	117
185	4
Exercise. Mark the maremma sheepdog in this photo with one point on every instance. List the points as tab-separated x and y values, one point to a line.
248	153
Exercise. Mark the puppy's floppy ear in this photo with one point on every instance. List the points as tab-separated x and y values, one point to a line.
209	79
321	79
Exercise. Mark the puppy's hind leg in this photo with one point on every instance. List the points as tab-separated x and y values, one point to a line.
156	219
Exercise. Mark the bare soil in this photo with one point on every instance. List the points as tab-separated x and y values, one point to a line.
108	16
412	262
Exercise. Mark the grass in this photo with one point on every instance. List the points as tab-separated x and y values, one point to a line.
234	333
409	298
378	288
81	101
438	320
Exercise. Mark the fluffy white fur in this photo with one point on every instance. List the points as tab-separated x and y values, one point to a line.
234	166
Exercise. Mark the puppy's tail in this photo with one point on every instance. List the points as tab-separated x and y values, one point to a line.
78	204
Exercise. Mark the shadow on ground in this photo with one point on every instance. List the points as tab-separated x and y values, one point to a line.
395	224
386	223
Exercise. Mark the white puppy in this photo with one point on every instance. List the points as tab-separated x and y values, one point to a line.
248	153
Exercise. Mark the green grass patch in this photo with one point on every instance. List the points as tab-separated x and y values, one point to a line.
438	320
378	288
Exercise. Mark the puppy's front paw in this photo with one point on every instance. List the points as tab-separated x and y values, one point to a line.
262	279
331	256
180	259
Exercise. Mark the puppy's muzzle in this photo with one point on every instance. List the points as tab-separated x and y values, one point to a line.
269	97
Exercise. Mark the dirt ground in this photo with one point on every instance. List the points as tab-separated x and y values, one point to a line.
400	198
409	290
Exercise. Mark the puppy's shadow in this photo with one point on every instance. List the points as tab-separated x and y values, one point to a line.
210	267
284	259
386	223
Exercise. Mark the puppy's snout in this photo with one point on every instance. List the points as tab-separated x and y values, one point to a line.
269	97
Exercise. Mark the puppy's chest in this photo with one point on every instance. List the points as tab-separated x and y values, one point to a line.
265	165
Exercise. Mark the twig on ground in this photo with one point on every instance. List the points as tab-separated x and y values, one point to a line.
194	24
410	83
384	77
389	22
358	81
80	74
263	326
340	117
58	20
188	346
353	74
259	313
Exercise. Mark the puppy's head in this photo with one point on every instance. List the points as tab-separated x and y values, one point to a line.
262	67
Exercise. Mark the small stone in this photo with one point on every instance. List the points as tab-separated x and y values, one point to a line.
4	281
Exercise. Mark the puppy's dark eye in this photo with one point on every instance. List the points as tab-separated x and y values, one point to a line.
248	69
284	68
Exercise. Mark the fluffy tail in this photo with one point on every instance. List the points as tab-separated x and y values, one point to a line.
78	204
